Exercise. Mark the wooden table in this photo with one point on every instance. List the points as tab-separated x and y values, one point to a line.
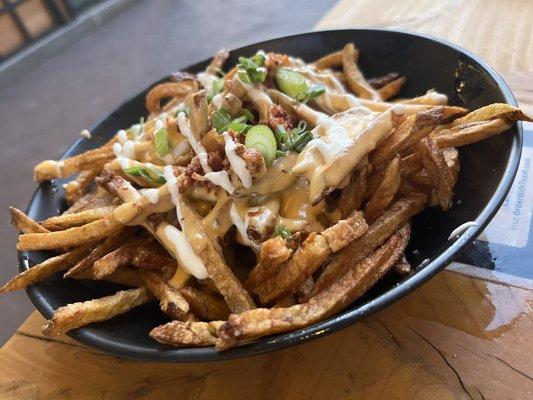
465	334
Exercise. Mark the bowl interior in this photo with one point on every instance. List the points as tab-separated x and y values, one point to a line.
487	169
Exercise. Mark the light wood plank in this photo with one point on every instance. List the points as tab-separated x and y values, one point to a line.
500	32
455	337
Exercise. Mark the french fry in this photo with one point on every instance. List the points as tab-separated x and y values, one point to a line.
402	266
205	305
410	131
392	88
226	282
471	132
331	60
140	256
385	192
398	214
92	159
171	301
97	198
493	111
24	223
108	245
45	269
353	194
381	81
309	256
76	236
193	334
66	221
123	276
354	77
439	172
75	189
166	90
273	253
75	315
348	287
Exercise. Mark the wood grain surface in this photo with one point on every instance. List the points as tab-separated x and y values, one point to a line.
457	337
500	32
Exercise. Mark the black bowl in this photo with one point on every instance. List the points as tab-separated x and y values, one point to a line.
487	171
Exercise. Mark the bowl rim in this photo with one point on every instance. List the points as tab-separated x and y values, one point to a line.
343	319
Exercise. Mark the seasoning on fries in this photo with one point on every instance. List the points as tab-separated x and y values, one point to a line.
254	201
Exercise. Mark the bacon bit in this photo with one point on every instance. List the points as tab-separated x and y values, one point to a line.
275	60
278	116
186	179
215	160
254	161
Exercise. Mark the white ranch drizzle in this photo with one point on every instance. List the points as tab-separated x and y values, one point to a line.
241	227
187	256
221	178
236	162
152	195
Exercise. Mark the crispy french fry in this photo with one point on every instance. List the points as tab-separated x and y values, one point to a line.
75	189
305	289
311	254
171	301
24	223
273	253
353	194
124	276
205	305
392	88
66	221
397	215
348	287
494	111
92	159
76	236
471	132
411	130
439	172
45	269
75	315
166	90
381	81
331	60
140	256
226	282
402	266
385	192
193	334
108	245
354	77
97	198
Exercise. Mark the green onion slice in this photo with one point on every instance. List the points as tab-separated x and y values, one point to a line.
283	231
262	138
302	140
238	127
162	142
248	114
291	83
150	174
220	119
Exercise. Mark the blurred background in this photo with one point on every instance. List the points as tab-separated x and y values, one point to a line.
65	64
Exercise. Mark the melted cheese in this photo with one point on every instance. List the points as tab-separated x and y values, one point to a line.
278	178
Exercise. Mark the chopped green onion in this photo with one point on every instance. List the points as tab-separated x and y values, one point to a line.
280	153
291	83
315	90
283	231
281	135
150	174
302	140
162	142
248	114
218	85
238	127
251	70
220	119
240	119
182	109
262	138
